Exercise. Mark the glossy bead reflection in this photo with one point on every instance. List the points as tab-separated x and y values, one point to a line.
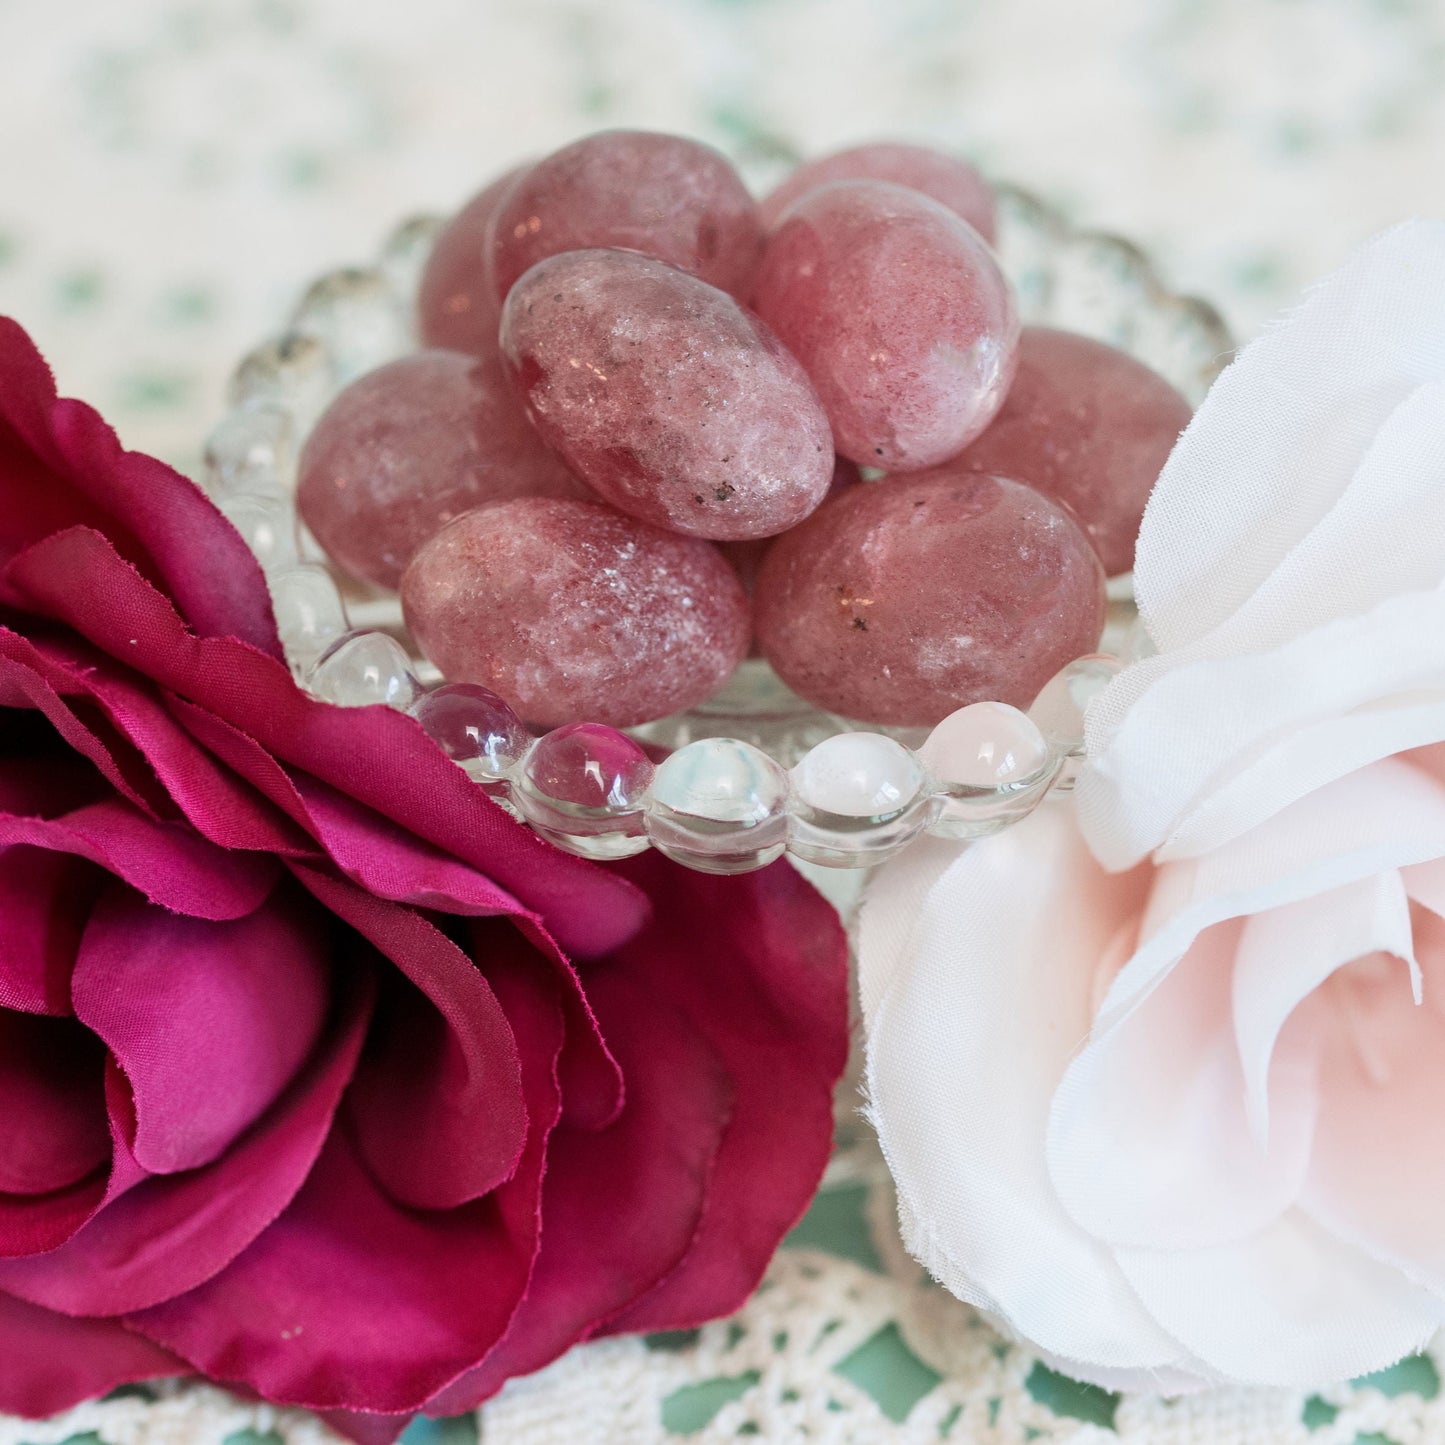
475	729
1060	706
293	371
310	615
251	450
268	525
364	668
719	805
858	798
992	766
582	788
356	315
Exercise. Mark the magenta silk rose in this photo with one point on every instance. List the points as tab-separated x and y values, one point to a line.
319	1075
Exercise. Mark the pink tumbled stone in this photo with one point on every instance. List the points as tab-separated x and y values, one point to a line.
573	612
906	599
1090	426
747	557
663	195
946	179
900	315
457	305
411	445
665	396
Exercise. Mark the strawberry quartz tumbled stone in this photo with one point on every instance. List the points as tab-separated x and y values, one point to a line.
663	195
899	313
1091	427
946	179
457	305
409	446
573	612
906	599
665	396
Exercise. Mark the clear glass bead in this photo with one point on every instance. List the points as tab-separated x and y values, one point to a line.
268	525
475	728
404	255
357	316
1028	232
858	798
1185	340
293	371
1059	709
719	805
310	614
582	787
1101	284
992	766
251	450
362	668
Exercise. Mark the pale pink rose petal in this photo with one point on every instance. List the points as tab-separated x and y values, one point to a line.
1289	1306
1378	1174
1214	748
967	1041
1386	816
1278	439
1288	952
1148	1141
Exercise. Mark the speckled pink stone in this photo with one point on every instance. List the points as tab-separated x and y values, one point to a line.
900	315
457	304
573	612
663	195
665	396
1090	426
747	557
409	446
946	179
908	598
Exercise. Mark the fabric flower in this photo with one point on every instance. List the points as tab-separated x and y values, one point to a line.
1159	1072
318	1074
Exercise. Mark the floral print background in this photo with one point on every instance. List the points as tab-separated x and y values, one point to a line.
173	171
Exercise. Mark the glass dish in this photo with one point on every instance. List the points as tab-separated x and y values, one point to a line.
754	770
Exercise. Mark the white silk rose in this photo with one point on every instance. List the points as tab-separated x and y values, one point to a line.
1160	1072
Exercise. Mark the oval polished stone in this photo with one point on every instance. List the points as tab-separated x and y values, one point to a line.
408	447
457	305
573	612
899	314
906	599
662	195
665	396
947	179
1090	426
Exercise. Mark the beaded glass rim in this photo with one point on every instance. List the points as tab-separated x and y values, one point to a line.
755	771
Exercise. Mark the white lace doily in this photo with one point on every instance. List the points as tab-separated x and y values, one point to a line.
831	1350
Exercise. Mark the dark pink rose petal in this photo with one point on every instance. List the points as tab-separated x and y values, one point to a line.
169	864
213	799
61	464
160	1237
52	1104
45	898
209	1021
25	673
376	755
39	776
592	1084
639	1185
51	1362
437	1101
353	1302
774	1006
